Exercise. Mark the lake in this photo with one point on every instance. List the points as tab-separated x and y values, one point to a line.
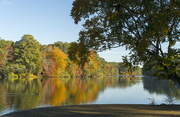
19	94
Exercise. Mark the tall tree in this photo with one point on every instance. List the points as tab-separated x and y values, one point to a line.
79	53
142	26
27	54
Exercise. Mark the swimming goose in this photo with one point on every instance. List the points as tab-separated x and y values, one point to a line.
37	93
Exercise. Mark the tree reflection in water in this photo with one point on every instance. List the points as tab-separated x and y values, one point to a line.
19	94
161	87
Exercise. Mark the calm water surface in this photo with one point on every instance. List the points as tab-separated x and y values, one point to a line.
19	94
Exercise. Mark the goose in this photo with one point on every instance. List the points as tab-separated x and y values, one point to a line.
37	93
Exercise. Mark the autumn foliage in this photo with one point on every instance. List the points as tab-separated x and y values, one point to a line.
60	60
28	57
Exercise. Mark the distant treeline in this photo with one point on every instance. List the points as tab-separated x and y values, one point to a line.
28	58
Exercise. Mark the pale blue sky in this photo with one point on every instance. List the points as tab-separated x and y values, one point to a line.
48	21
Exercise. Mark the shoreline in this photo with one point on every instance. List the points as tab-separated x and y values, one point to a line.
100	110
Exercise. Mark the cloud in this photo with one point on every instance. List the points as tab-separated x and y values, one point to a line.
5	2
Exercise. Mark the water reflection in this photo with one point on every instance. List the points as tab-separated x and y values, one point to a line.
163	87
18	94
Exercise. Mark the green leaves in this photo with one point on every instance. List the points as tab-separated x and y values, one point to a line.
127	63
79	53
111	24
27	53
141	26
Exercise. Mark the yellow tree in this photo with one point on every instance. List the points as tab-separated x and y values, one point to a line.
60	59
92	65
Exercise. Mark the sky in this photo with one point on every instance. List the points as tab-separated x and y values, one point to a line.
48	21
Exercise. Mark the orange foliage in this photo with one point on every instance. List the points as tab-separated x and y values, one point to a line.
93	61
55	61
48	63
60	59
108	68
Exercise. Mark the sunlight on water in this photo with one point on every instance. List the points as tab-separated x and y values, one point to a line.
18	95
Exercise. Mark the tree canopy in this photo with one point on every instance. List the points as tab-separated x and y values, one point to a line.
28	55
142	26
28	58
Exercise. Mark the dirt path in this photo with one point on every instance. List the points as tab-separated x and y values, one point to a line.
102	111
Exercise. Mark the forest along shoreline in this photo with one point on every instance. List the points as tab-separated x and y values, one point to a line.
27	58
107	110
